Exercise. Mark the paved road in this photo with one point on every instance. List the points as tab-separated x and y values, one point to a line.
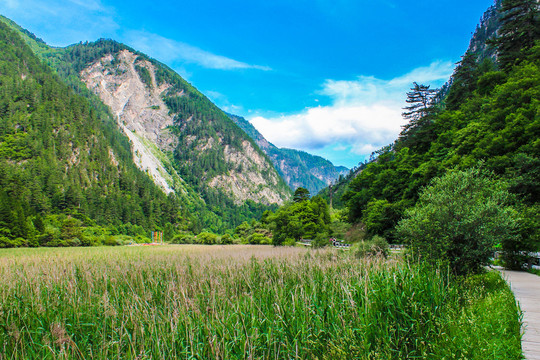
526	288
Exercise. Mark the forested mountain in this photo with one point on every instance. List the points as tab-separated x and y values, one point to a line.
183	141
480	49
490	119
61	156
298	168
486	30
166	158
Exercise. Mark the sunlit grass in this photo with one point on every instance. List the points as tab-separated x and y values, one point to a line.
245	302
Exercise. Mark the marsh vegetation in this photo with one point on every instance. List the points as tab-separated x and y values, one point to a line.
246	302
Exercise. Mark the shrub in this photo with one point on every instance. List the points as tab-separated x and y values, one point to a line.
458	219
207	238
376	246
6	242
289	242
226	239
257	238
110	241
183	239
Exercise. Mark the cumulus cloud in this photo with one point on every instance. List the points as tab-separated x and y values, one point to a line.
169	50
365	113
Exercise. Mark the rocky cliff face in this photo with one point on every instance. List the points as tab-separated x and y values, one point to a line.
485	30
298	168
140	111
177	134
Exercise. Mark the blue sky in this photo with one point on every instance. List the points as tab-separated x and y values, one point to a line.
325	76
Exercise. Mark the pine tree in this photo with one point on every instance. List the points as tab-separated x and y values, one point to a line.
519	30
419	114
419	99
301	194
463	81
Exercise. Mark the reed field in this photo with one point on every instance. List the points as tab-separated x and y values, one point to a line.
246	302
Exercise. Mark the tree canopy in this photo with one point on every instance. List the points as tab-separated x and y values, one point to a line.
459	218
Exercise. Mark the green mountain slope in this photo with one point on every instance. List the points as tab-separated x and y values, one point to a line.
201	144
182	140
60	155
494	122
298	168
212	188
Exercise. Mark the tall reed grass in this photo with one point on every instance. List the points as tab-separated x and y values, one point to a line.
245	302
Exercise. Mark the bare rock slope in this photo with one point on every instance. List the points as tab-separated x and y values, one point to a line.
172	142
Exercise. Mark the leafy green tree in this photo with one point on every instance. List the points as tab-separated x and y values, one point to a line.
458	220
304	219
207	238
379	218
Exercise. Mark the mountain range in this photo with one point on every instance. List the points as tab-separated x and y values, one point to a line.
298	168
216	165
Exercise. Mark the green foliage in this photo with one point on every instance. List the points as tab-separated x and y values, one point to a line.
520	28
497	123
301	194
56	157
204	238
272	303
334	194
379	216
376	246
305	219
488	81
465	79
184	239
226	239
458	220
254	233
131	196
202	205
207	238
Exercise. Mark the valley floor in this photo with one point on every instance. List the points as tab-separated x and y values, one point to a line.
246	302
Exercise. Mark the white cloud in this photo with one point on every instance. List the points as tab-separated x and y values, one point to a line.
365	113
169	50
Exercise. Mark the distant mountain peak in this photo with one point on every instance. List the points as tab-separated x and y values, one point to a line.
297	167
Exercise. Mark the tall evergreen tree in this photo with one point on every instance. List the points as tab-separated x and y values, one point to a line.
301	194
419	98
519	30
419	114
463	80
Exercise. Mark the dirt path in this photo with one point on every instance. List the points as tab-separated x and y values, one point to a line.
526	288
